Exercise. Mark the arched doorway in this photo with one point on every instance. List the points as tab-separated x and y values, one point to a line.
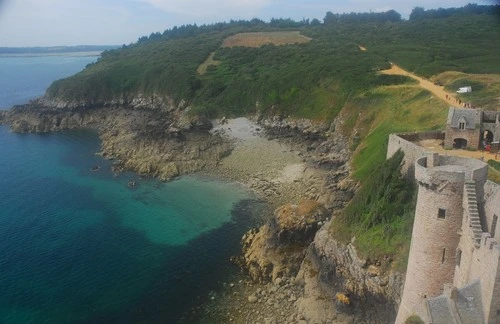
488	136
460	143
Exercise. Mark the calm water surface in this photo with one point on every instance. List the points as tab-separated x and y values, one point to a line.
81	246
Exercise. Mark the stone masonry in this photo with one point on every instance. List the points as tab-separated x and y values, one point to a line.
453	269
469	128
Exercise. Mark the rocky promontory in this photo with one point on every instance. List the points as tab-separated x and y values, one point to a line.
158	140
301	168
277	248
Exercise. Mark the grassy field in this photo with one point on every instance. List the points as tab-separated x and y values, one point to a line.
494	171
259	39
243	68
255	39
485	88
387	110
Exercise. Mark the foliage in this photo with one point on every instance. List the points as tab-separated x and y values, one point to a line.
494	171
431	46
419	13
314	80
380	215
320	79
386	110
494	164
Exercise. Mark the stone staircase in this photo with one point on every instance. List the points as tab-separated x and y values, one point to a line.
471	206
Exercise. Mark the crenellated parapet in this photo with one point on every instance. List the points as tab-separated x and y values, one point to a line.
443	184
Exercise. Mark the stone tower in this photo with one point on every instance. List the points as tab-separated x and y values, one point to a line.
436	229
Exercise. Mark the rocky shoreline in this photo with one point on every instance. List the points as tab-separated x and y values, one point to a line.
299	167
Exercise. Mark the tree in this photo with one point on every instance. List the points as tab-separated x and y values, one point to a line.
315	22
417	13
330	18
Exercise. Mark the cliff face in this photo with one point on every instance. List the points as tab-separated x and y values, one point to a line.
148	136
331	268
277	248
151	136
324	268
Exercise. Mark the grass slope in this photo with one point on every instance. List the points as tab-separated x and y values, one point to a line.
327	76
380	215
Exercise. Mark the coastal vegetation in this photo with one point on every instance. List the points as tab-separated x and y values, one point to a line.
380	216
333	72
494	171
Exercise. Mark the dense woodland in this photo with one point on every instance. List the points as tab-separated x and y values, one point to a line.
324	78
308	80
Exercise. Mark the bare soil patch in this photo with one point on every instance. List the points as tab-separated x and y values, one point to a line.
264	38
435	146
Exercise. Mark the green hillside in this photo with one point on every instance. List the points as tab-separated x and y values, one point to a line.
336	72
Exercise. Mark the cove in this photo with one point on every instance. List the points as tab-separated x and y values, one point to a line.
82	246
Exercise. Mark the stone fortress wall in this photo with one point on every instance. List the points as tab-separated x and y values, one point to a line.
406	143
454	239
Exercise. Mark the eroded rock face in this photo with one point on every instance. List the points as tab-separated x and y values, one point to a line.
160	140
297	224
331	267
277	248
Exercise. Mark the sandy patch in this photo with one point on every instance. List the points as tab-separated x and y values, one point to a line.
238	128
292	172
258	39
273	169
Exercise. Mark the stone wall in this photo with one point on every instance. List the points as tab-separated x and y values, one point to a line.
437	244
438	220
412	151
492	209
434	239
481	263
471	135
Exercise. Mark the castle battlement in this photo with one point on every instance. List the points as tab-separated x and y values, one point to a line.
455	241
434	169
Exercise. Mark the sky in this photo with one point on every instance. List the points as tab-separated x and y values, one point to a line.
117	22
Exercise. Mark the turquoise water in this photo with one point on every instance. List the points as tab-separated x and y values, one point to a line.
82	246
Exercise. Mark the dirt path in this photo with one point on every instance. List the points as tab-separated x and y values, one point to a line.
438	91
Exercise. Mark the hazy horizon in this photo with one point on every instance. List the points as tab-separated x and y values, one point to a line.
48	23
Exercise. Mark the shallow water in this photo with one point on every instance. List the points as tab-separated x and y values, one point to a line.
83	246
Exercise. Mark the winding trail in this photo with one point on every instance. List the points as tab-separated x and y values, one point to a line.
438	91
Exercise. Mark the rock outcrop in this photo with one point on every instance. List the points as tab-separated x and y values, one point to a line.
331	269
153	136
158	140
328	269
277	248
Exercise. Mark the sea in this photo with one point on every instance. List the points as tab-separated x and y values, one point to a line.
80	246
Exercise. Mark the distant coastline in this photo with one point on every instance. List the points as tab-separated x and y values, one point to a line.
55	50
77	54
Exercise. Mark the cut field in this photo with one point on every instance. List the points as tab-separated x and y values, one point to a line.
264	38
